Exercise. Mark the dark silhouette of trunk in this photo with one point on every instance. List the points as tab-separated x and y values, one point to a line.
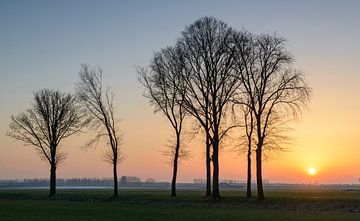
215	160
208	166
175	165
249	132
116	192
260	189
215	146
53	168
248	187
52	179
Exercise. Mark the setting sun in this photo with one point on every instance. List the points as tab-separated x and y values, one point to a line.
312	171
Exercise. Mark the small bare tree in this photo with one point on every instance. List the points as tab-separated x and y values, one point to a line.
97	102
276	91
249	129
53	117
162	89
243	116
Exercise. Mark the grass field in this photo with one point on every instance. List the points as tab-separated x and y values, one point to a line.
188	205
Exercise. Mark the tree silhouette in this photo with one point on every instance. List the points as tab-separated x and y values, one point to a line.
53	117
249	129
247	140
209	81
205	63
97	102
162	89
275	90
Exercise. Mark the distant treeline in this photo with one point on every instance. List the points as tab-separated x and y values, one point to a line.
135	182
124	180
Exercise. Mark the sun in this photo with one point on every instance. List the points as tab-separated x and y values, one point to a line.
312	171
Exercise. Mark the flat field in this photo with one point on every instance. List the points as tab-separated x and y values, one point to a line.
305	204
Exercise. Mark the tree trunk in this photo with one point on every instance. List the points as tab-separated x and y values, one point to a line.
248	188
173	181
208	166
52	179
116	192
215	160
260	189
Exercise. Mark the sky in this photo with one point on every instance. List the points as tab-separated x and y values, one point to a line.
43	44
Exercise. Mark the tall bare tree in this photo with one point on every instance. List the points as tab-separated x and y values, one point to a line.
98	104
53	117
161	83
276	91
209	82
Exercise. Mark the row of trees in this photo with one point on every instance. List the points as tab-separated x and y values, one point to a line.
214	73
55	116
214	76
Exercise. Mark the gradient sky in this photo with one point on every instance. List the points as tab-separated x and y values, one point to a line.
43	43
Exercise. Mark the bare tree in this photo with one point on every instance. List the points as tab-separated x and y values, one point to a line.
276	91
209	82
53	117
162	89
98	104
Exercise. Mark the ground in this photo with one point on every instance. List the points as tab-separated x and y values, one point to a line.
307	204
